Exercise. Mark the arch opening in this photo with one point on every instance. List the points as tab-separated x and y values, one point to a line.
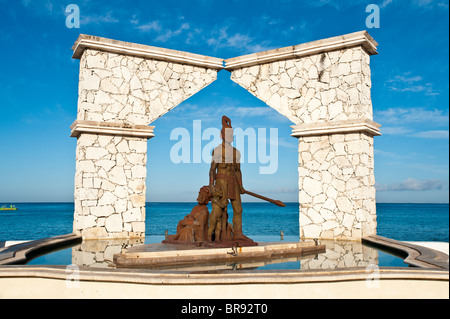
265	162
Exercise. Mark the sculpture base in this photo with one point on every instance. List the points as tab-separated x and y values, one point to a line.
231	243
183	243
188	257
241	242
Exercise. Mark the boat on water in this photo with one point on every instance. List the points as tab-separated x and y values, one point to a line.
12	207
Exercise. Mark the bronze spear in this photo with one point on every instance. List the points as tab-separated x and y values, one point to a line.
273	201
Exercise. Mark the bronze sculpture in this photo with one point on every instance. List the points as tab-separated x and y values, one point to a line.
225	178
193	228
225	185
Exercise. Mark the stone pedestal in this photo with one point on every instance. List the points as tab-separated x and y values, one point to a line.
185	257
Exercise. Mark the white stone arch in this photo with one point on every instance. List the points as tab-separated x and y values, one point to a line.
123	87
323	87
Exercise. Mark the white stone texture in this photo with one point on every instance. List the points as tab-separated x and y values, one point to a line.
100	253
110	186
132	90
111	170
336	180
342	254
337	194
324	87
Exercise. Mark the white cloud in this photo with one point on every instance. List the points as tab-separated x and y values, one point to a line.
427	88
242	42
434	134
423	3
437	134
385	3
430	4
168	34
146	27
390	154
97	18
162	33
193	35
405	78
134	20
413	122
410	83
399	130
412	184
412	115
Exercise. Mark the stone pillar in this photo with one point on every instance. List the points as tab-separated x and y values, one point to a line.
123	87
324	88
110	180
336	180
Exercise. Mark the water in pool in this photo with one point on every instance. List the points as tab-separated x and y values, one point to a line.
409	222
99	254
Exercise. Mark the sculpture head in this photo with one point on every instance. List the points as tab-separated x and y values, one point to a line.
204	195
227	131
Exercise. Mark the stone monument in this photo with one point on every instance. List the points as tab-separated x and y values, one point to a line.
322	86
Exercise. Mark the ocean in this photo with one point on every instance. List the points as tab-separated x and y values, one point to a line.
409	222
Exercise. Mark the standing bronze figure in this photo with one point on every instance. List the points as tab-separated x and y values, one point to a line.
225	186
225	181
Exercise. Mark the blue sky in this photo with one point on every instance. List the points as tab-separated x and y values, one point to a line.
38	89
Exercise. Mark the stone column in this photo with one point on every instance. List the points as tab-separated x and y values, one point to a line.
336	180
323	87
110	180
123	87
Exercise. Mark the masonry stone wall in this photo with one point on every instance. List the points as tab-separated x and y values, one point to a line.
120	88
110	186
119	95
329	86
327	96
336	183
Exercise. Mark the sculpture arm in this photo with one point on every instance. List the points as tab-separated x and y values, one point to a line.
212	173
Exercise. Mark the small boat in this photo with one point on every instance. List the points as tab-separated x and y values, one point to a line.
12	207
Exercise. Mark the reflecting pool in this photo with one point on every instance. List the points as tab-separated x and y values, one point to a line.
338	254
